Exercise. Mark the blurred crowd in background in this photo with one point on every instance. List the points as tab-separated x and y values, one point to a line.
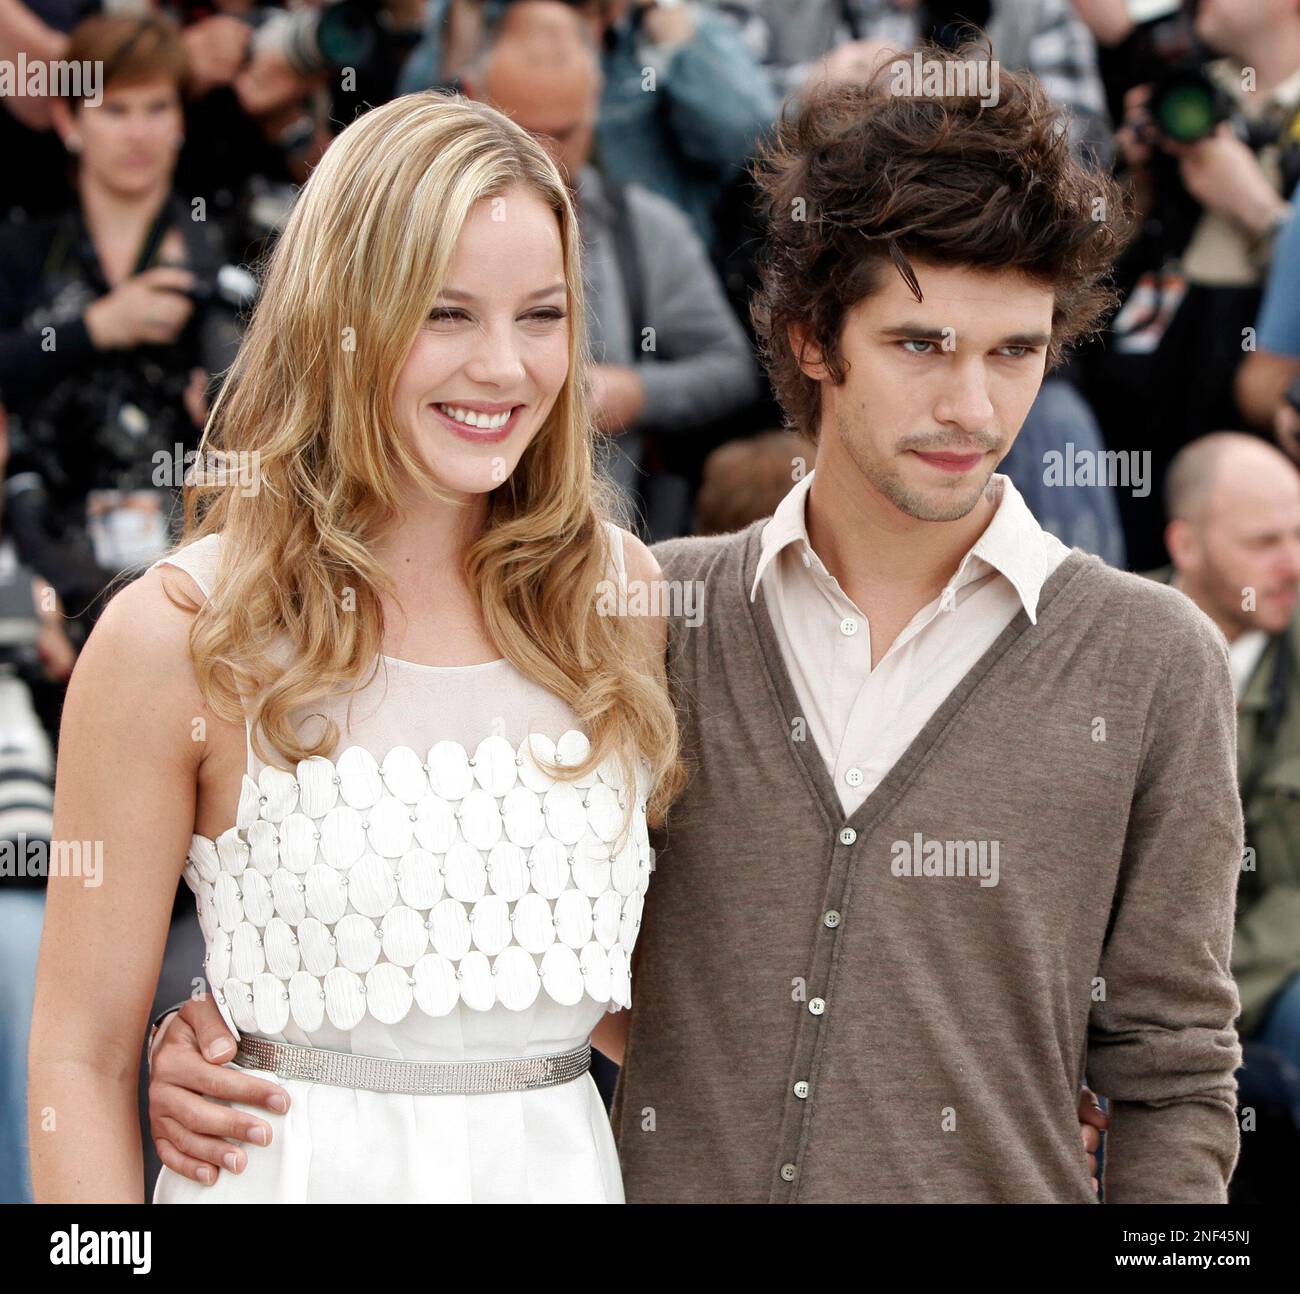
132	224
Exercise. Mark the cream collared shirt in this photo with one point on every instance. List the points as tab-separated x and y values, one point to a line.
862	719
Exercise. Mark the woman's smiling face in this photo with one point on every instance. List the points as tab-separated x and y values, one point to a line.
486	367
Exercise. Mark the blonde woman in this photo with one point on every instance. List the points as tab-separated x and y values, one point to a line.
375	706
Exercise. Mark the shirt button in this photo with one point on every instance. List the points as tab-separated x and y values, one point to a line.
853	777
787	1172
817	1005
801	1089
847	835
848	626
831	919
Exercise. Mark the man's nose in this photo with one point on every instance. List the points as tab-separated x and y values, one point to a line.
1291	560
965	399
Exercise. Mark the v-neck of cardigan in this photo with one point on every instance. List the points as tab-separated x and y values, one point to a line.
806	753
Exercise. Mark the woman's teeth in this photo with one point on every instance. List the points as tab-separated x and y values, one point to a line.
484	421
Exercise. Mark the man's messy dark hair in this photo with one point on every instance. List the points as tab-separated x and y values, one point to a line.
859	179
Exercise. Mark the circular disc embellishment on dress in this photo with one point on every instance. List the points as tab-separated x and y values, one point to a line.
494	766
345	999
517	979
404	775
318	791
342	837
360	784
307	1001
277	794
450	775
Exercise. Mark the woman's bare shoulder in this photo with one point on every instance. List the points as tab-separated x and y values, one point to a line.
137	658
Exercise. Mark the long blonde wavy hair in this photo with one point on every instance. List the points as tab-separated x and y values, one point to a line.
362	256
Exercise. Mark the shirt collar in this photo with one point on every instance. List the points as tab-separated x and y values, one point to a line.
1012	542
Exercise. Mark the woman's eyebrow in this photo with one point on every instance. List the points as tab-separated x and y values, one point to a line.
473	300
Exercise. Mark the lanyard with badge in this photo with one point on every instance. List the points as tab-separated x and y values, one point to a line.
130	528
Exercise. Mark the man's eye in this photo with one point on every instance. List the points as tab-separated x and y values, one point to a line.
1015	352
916	341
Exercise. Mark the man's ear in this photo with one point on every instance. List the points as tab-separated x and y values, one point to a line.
1181	543
61	118
807	353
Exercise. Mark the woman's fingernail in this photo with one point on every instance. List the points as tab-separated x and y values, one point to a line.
259	1135
231	1161
219	1050
206	1175
279	1104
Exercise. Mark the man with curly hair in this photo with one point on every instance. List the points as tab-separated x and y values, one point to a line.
963	829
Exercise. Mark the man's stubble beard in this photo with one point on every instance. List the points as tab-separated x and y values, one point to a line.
1225	598
948	506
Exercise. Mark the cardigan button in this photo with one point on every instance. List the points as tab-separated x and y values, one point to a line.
847	835
788	1172
831	919
801	1089
817	1006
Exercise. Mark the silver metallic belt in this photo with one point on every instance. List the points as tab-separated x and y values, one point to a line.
413	1077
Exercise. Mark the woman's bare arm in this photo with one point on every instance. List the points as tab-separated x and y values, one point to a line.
125	787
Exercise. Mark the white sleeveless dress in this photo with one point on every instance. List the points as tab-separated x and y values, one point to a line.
427	893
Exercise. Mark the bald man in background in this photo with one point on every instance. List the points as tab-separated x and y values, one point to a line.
1233	508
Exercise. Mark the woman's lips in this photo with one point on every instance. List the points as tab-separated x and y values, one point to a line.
481	435
952	463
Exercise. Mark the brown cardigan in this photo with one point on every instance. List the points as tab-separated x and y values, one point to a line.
848	1011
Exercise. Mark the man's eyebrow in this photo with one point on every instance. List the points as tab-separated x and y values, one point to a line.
927	332
458	295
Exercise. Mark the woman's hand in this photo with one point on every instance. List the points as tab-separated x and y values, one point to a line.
188	1080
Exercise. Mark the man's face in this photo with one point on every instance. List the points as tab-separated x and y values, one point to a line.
563	125
935	392
1245	559
556	103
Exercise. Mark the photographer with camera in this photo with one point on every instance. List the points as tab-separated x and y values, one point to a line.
111	318
1211	93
